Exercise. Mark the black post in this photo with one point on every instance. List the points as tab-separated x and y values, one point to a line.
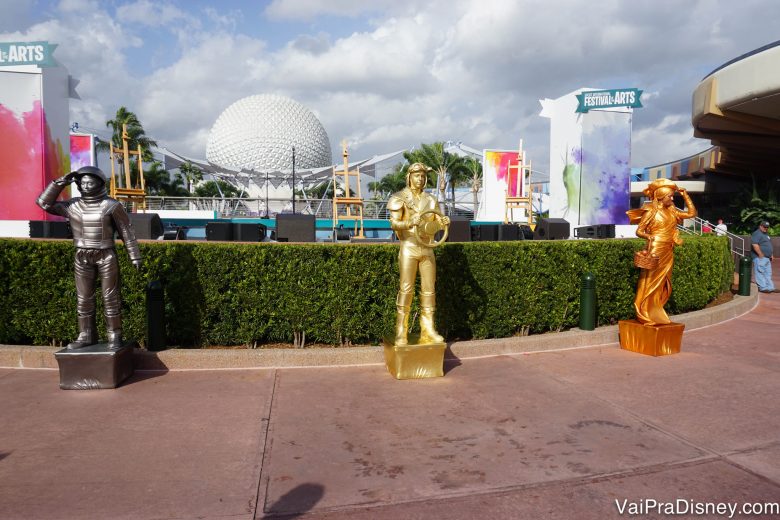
293	179
155	316
267	209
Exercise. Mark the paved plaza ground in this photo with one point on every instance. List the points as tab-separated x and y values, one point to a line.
567	434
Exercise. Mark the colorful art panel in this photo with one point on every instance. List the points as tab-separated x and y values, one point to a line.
82	151
605	184
497	176
31	155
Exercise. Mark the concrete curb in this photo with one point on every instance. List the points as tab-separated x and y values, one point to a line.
22	356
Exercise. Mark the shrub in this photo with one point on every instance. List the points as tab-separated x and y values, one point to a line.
232	294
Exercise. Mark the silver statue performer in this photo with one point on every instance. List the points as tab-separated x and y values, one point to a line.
94	217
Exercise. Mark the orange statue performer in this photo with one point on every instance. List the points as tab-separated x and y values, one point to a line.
657	220
416	218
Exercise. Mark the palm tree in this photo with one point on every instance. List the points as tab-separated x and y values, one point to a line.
136	134
474	169
393	182
135	131
191	174
219	188
155	176
442	162
159	182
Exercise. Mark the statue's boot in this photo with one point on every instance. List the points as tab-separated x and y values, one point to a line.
87	333
428	332
403	305
114	326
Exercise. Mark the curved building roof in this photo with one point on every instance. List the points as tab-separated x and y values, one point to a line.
737	107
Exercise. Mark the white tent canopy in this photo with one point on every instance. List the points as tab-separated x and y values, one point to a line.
242	177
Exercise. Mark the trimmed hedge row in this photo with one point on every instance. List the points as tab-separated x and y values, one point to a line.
232	294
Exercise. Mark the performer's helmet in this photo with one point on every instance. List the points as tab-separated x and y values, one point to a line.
92	171
417	167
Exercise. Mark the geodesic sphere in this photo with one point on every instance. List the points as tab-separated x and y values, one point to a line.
258	133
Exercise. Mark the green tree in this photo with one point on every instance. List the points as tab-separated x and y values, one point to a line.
395	181
159	182
136	136
442	163
373	190
473	168
212	189
323	190
757	203
191	174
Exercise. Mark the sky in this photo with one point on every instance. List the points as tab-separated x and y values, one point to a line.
390	74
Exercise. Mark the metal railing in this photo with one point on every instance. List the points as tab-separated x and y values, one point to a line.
257	207
697	226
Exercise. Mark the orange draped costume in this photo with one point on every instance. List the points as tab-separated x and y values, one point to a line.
658	224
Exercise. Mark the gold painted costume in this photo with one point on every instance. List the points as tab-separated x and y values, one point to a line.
416	231
658	221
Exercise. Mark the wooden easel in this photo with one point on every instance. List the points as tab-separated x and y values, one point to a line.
521	196
353	205
125	190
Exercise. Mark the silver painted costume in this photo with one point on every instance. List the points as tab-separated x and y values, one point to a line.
94	218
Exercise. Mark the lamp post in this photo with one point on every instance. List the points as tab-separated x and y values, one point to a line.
267	209
293	179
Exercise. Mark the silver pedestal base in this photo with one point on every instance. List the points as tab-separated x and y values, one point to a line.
94	367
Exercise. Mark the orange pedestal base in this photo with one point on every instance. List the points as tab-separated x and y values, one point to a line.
655	340
415	360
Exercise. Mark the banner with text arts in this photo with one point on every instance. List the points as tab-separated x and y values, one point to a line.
499	172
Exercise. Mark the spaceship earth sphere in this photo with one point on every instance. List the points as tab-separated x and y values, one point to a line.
258	133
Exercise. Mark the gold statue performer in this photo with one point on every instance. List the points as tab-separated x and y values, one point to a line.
657	220
416	218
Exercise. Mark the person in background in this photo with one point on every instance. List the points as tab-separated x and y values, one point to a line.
721	228
762	258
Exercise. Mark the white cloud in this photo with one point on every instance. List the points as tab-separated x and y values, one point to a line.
308	9
77	5
469	70
153	14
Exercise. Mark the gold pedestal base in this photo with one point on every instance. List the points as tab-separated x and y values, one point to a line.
414	361
654	340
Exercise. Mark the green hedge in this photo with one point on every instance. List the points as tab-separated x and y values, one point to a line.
232	294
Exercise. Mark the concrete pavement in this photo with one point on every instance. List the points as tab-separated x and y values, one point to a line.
568	434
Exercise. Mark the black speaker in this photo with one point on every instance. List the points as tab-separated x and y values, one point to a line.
460	230
147	226
219	231
175	233
343	234
509	232
526	232
249	232
484	233
551	229
585	232
295	228
597	231
605	231
50	229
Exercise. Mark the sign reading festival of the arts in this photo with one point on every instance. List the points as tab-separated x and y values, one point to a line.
619	97
27	53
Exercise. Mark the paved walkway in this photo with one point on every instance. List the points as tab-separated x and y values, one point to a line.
567	434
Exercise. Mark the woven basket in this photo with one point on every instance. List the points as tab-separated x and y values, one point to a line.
644	259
